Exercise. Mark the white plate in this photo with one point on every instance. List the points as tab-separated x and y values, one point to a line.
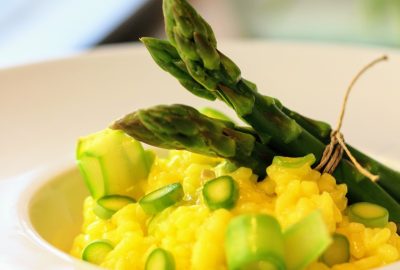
45	107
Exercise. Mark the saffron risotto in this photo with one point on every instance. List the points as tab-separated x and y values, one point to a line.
194	235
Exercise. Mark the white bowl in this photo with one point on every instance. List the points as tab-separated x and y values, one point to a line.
53	210
50	216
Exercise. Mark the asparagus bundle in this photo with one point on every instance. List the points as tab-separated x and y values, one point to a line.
192	57
167	57
183	127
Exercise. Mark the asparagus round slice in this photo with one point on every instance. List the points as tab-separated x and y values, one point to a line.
338	252
96	251
369	214
160	259
221	192
162	198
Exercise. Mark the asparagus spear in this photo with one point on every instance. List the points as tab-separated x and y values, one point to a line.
160	51
183	127
166	56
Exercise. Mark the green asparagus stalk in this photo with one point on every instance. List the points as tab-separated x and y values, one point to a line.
389	178
166	56
183	127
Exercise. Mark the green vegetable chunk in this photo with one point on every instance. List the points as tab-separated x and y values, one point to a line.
106	206
369	214
297	162
161	198
160	259
254	241
221	192
149	156
338	252
305	241
112	162
96	251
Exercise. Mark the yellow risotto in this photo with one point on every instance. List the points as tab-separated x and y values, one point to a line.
194	234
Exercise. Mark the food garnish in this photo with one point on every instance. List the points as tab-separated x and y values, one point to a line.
369	214
162	198
96	251
109	161
254	242
305	241
107	205
160	259
221	192
338	251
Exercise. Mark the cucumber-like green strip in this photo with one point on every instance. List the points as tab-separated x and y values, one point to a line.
305	241
254	241
160	259
85	177
221	192
94	191
106	178
149	157
161	198
135	147
118	161
96	251
126	160
338	252
369	214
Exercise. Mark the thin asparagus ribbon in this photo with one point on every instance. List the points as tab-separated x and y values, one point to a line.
334	150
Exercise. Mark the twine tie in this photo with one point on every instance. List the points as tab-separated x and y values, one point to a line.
333	152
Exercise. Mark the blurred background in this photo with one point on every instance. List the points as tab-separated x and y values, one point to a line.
37	30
